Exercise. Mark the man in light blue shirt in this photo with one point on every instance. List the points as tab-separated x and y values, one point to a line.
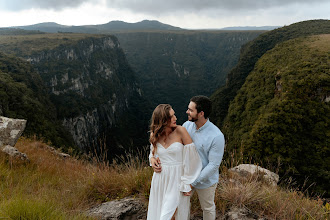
210	144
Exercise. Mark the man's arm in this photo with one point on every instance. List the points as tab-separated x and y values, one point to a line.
215	157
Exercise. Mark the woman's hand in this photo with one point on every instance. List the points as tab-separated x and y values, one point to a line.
155	163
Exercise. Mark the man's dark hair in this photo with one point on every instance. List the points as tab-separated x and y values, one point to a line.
203	103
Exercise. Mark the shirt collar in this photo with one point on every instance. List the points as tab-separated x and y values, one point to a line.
207	123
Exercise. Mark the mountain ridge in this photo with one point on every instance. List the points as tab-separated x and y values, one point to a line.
116	25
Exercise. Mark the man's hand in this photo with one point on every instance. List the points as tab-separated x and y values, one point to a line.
155	163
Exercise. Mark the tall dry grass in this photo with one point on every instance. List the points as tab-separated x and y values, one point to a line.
50	187
70	185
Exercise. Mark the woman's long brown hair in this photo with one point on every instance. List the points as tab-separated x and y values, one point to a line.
160	117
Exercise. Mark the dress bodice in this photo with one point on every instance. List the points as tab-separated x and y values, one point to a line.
172	155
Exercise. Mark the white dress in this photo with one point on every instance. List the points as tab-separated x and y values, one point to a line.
181	166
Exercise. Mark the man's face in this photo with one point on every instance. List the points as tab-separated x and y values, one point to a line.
192	112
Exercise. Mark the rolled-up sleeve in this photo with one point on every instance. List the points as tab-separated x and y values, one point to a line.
215	157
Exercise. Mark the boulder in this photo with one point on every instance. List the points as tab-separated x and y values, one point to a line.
244	169
124	209
10	130
12	151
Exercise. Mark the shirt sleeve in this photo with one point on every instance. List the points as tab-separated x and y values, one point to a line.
214	156
192	166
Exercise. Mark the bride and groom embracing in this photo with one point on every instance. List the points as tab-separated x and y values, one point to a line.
185	159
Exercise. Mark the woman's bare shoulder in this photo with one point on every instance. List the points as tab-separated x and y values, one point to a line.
181	129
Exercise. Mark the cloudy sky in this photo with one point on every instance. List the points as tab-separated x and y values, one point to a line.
190	14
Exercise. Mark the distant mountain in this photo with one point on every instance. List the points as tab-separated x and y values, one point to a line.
52	27
250	28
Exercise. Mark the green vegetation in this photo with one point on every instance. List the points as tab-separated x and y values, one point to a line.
23	95
251	52
83	75
281	115
50	187
25	45
173	66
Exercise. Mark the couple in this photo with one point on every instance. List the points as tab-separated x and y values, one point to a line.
184	158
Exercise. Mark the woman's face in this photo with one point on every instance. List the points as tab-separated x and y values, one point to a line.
173	119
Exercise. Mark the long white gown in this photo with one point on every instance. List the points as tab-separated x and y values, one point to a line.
181	166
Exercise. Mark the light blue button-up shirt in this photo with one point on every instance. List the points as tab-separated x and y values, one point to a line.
210	144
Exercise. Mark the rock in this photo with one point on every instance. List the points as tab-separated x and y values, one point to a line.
244	169
10	130
124	209
12	151
236	213
54	151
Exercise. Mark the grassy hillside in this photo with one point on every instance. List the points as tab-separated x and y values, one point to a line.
50	187
22	45
251	52
281	113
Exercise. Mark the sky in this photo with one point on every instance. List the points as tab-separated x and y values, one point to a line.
188	14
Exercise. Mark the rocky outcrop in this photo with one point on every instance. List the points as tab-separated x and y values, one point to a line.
250	169
124	209
10	131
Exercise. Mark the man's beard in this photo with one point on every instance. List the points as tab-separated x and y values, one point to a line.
192	119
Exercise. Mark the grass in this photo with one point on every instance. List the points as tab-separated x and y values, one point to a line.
50	187
66	187
26	45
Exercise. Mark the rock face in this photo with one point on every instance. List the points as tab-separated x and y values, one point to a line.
124	209
244	169
93	88
10	130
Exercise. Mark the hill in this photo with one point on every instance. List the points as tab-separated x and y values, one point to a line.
251	52
281	113
111	26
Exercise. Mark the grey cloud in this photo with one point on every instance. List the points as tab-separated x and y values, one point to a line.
161	7
16	5
157	7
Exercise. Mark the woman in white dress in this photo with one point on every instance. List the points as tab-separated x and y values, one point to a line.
180	166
